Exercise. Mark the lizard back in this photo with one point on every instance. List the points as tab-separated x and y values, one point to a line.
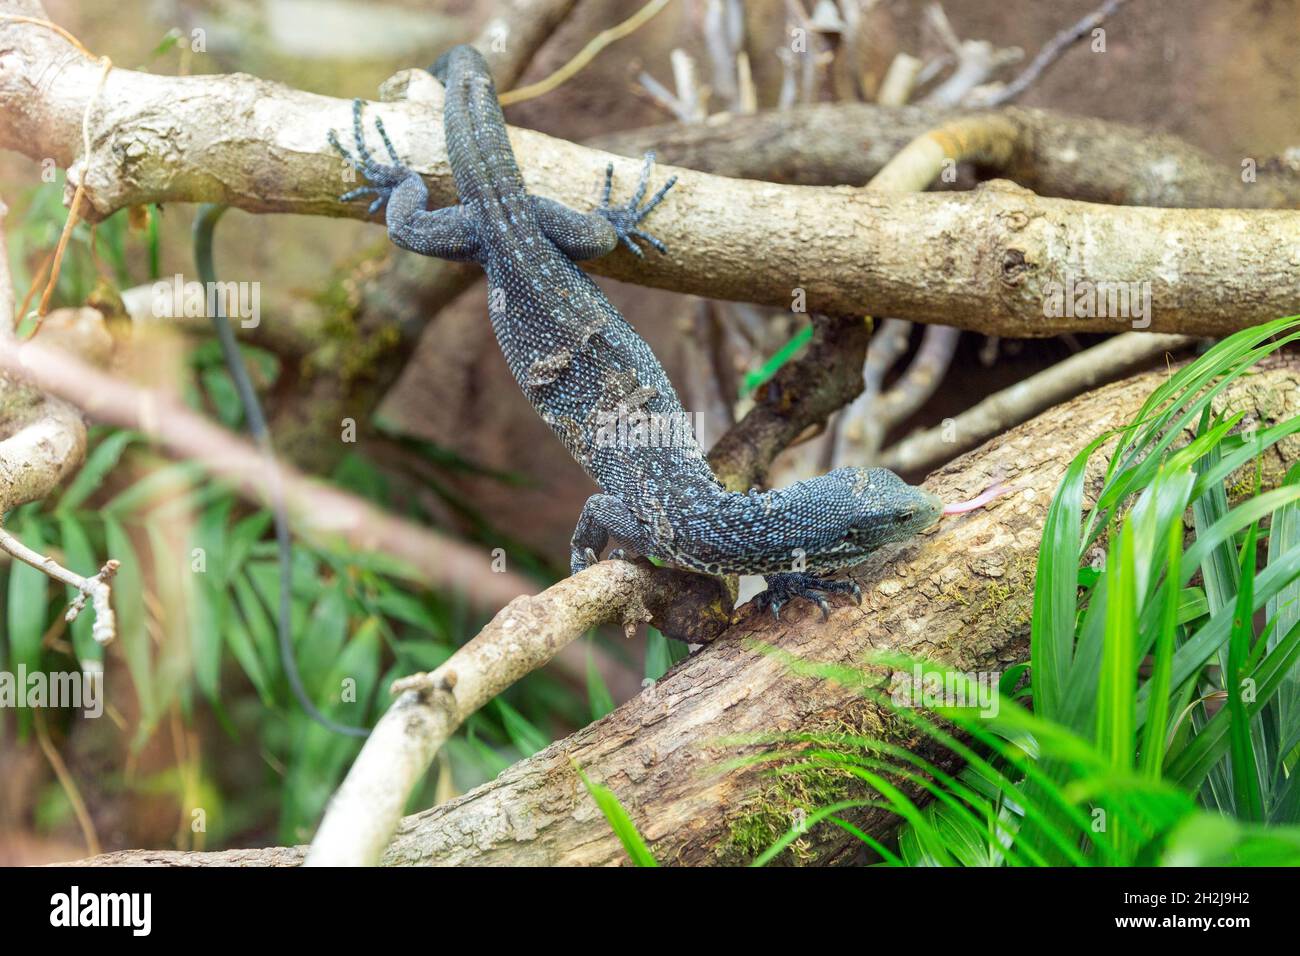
588	374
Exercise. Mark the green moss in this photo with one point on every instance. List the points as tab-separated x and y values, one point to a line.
766	817
346	350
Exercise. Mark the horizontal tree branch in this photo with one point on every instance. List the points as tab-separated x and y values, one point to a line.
1055	154
986	260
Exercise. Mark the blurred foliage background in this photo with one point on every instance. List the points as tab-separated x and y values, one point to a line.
202	746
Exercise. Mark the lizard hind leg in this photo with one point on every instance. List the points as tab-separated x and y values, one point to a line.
604	516
782	588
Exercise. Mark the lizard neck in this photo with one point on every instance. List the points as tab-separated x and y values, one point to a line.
760	532
482	162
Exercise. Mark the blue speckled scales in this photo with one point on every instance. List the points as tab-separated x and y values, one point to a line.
584	369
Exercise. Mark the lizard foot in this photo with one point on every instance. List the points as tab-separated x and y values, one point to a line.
782	587
627	217
381	179
581	560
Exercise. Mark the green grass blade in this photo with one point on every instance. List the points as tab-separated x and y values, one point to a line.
1118	685
1160	683
1245	771
620	822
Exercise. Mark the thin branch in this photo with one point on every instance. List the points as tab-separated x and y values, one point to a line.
977	61
66	781
319	511
1117	356
526	634
96	589
1052	51
584	56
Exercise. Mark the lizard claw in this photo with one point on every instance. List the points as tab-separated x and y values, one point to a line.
626	217
781	588
381	179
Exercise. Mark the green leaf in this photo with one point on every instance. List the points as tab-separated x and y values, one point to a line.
598	695
773	365
1245	771
102	459
128	599
661	654
225	397
522	733
206	620
79	556
28	603
1118	684
1283	613
406	607
619	821
1157	723
1052	625
170	480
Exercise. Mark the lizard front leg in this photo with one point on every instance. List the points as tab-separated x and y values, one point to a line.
589	235
603	517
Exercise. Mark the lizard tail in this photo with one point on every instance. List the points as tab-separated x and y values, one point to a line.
204	224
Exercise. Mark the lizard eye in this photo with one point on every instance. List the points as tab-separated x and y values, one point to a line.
904	516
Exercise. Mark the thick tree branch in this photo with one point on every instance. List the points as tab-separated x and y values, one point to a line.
987	260
1069	157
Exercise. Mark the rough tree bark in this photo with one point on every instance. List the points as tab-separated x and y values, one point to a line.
986	260
962	594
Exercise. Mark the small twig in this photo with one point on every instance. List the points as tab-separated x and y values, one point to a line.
1052	51
70	789
584	56
913	389
900	80
74	210
96	589
49	25
662	95
976	61
724	27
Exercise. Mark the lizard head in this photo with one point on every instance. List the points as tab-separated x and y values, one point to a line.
886	508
